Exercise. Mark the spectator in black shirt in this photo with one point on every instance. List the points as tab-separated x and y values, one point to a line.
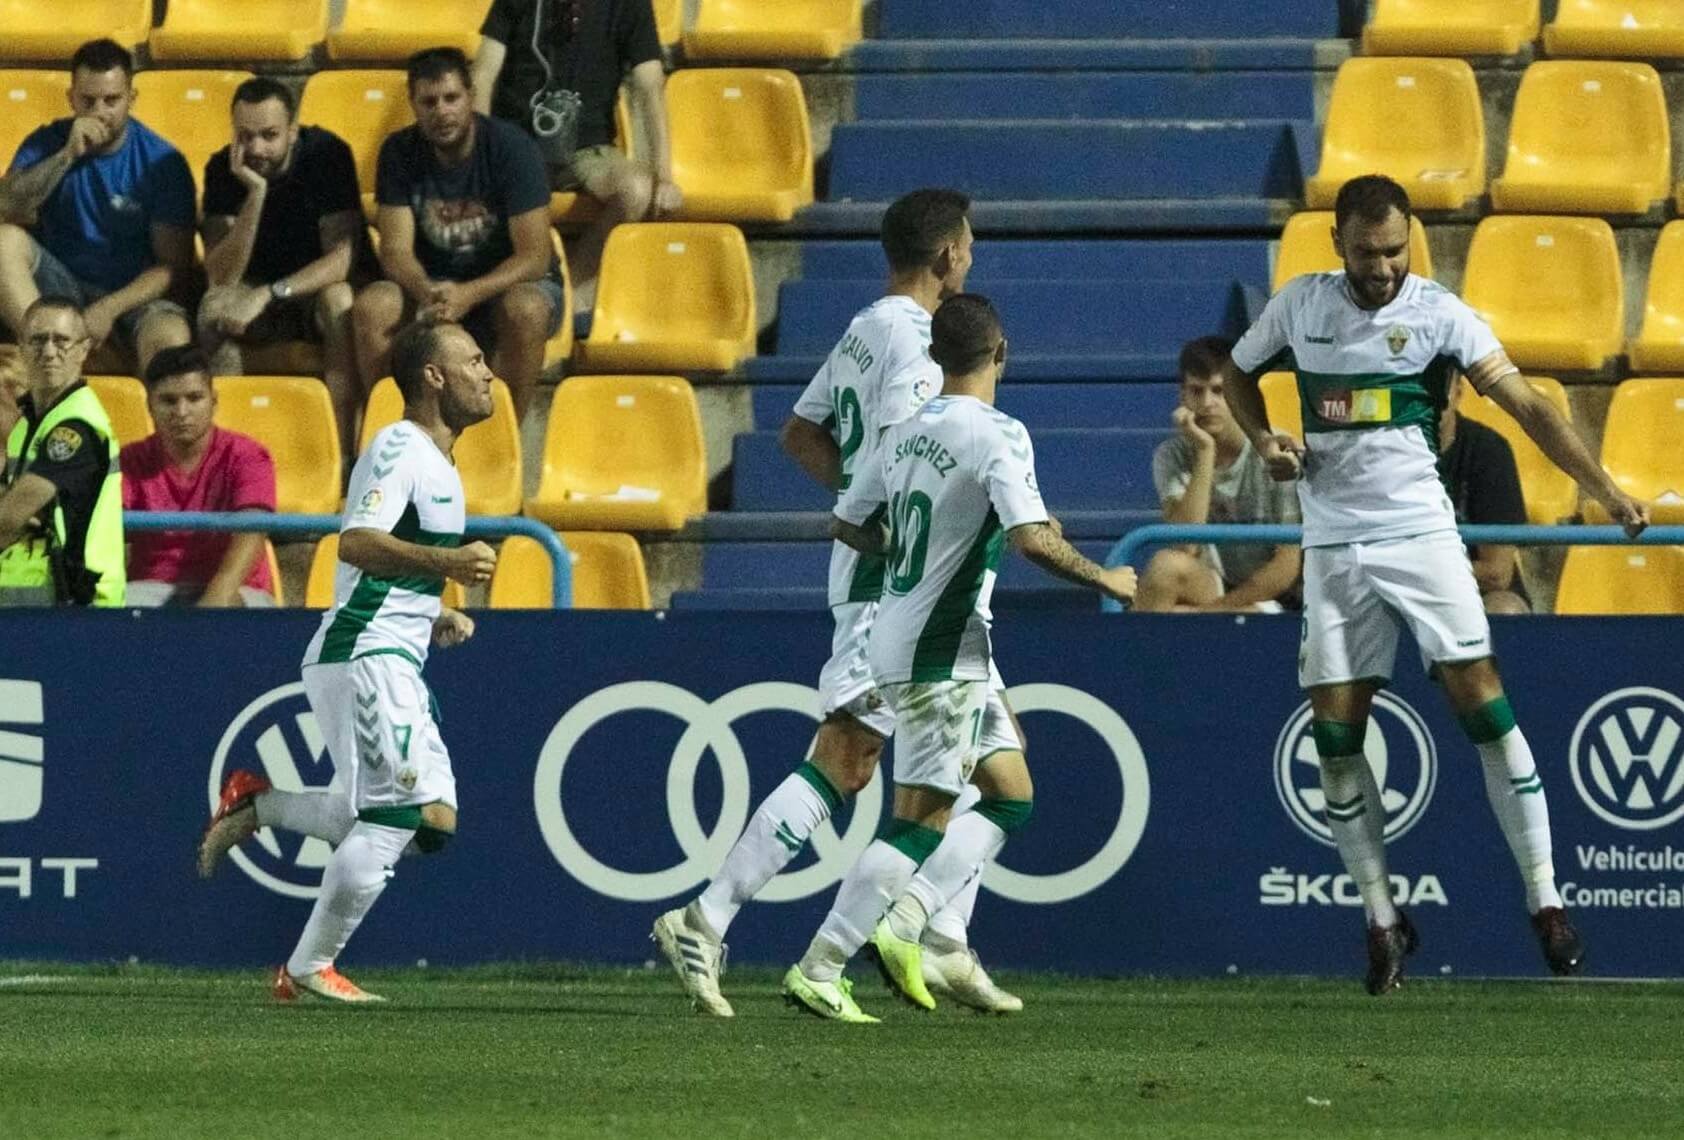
284	243
1479	472
464	232
586	47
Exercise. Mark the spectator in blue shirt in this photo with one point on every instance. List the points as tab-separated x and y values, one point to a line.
464	231
99	208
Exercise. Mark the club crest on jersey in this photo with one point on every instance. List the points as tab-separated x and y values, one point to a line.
1397	338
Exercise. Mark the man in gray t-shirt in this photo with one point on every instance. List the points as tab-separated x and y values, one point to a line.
1207	472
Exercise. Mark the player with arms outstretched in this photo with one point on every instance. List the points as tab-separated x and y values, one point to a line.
1374	349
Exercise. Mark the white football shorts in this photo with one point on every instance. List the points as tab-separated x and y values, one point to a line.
845	683
943	729
376	717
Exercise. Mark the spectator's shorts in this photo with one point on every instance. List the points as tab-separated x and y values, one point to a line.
52	276
943	729
1358	597
589	164
845	684
481	320
376	716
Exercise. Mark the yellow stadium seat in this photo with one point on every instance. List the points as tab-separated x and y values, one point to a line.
1640	447
1450	27
37	30
397	29
191	109
622	453
741	148
1550	493
487	455
608	573
124	400
1307	247
1622	580
1551	288
669	20
29	99
773	29
559	348
1280	399
293	417
248	29
324	563
361	107
1659	347
674	296
1418	120
1601	29
275	588
1587	138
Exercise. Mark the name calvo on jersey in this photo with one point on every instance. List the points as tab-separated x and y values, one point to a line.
923	447
854	348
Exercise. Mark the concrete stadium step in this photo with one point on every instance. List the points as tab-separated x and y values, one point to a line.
1001	217
939	54
1085	19
1158	96
1043	406
1242	259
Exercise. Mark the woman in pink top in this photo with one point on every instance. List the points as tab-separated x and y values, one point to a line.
190	464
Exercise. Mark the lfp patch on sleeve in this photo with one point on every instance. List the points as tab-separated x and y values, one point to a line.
62	442
368	507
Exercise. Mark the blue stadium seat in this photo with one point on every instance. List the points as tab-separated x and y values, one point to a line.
1112	19
1157	95
1243	259
1049	405
1049	161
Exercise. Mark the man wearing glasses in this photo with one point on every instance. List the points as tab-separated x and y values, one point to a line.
61	501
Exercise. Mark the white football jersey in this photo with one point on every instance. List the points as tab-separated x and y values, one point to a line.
879	373
406	486
1372	384
955	478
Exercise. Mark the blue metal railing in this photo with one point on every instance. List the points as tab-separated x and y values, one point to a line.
307	526
1276	534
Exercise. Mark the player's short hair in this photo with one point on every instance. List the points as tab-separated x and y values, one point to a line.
261	89
1203	357
177	360
49	301
1370	198
964	333
414	349
431	64
917	225
100	56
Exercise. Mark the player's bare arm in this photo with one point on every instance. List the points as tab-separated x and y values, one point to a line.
1048	549
1496	377
376	552
812	447
872	538
1281	454
452	628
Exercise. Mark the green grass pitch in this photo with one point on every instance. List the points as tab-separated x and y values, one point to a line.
550	1051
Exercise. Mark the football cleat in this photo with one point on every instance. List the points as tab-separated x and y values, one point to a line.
696	958
831	1000
901	963
1563	949
1388	946
958	974
234	821
326	983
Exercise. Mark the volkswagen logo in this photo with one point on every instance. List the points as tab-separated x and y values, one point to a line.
1399	749
277	735
1627	758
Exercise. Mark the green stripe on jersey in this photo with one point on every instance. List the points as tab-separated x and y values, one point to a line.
944	630
1363	401
371	591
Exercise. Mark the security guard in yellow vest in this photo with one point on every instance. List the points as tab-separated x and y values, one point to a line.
61	508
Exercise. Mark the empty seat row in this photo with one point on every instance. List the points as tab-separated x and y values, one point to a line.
1586	137
1594	28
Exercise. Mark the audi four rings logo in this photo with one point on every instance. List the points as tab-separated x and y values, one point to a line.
277	735
1398	747
708	730
1627	758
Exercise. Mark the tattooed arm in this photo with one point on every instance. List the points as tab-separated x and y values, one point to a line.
1044	545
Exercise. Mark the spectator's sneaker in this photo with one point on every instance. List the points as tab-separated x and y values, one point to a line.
831	1000
1388	946
235	820
958	974
324	983
697	959
901	963
1563	949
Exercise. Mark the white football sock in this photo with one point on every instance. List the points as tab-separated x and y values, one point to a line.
359	870
776	835
1516	793
873	883
949	927
971	841
326	815
1357	818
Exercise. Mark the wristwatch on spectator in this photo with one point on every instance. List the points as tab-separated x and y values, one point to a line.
281	289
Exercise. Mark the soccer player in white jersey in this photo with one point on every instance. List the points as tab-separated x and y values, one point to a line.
879	373
1374	349
394	791
957	482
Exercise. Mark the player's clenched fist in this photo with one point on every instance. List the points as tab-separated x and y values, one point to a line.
472	564
1283	456
1119	582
